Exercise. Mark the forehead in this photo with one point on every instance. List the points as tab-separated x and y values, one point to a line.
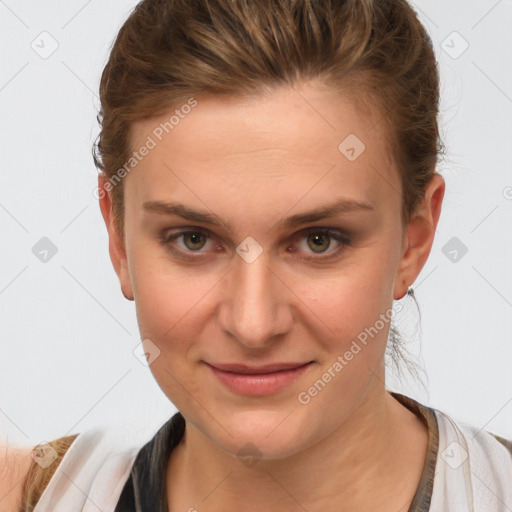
290	145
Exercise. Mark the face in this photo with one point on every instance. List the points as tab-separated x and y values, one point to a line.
229	264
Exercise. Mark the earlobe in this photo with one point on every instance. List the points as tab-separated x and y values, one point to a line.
126	284
116	248
419	236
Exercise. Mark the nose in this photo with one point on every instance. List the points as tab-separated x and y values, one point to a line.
254	308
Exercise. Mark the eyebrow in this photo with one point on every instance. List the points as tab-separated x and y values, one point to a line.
332	209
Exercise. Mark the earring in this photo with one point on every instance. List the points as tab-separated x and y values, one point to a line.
410	292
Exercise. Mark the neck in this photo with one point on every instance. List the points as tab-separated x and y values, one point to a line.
376	465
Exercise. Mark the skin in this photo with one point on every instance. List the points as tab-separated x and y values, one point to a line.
253	161
15	464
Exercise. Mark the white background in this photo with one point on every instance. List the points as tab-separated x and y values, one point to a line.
67	333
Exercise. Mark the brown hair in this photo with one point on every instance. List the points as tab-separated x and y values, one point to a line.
38	477
170	50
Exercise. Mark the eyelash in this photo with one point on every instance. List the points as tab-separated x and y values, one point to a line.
337	235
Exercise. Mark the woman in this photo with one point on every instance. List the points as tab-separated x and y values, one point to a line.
268	184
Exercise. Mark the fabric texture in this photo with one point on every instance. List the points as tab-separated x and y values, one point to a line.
466	469
91	474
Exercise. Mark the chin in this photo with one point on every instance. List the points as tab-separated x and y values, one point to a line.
264	434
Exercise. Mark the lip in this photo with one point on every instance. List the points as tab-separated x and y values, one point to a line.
269	368
258	381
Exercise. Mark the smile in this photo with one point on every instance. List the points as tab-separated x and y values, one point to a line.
258	381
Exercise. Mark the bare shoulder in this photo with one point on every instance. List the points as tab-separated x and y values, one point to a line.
15	463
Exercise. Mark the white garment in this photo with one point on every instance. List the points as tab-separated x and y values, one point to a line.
473	472
91	475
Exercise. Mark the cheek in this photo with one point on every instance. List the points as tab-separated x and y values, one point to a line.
161	293
173	304
168	313
350	318
344	303
165	308
352	360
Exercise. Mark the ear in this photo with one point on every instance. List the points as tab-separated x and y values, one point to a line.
419	235
115	246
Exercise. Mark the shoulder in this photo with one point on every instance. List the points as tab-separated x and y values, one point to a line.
472	462
45	458
92	470
507	443
481	443
66	472
15	462
25	471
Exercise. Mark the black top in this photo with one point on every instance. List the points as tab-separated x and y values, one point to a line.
145	490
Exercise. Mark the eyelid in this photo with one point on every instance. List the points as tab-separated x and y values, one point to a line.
172	234
337	234
340	235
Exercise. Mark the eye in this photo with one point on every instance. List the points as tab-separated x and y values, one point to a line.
191	241
317	240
